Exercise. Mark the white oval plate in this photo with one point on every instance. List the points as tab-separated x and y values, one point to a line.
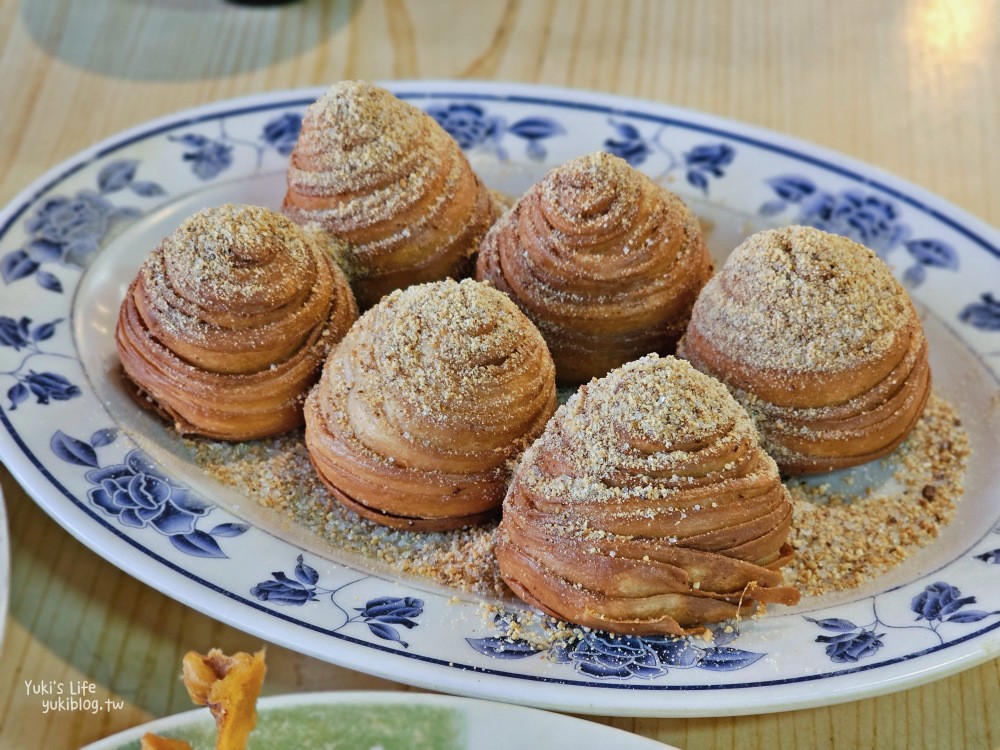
315	721
118	481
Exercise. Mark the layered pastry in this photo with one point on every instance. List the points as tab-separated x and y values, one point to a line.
647	507
392	190
227	324
425	401
823	346
605	262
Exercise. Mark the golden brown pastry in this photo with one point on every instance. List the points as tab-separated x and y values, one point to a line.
390	186
605	262
647	506
227	323
423	403
819	342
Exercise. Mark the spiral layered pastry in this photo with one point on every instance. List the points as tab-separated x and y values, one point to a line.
228	322
647	507
424	402
605	262
819	342
390	187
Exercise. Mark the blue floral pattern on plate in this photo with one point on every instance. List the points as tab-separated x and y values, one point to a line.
383	615
937	604
44	386
140	495
472	126
865	217
68	230
606	656
211	156
115	496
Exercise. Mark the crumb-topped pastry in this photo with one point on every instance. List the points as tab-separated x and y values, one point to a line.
647	506
423	403
604	261
227	324
819	342
390	187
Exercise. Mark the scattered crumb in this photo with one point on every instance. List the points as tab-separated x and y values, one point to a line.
843	540
846	539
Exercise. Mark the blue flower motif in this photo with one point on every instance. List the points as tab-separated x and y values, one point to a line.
628	144
14	333
984	315
49	385
468	124
603	656
851	642
282	132
208	157
138	494
383	613
21	334
865	218
284	590
853	646
707	160
71	229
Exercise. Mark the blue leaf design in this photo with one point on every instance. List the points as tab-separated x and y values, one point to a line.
841	638
533	128
406	622
103	437
535	151
44	251
305	573
915	275
972	615
956	605
45	330
698	179
726	659
189	139
229	529
792	188
49	281
197	543
147	189
116	175
933	253
73	451
18	394
627	131
386	632
991	558
772	208
836	624
16	265
984	315
502	648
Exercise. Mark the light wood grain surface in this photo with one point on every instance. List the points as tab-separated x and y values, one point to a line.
913	87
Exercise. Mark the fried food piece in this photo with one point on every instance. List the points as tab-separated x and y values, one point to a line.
647	507
229	686
603	260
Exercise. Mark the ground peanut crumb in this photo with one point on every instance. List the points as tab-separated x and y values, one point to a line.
842	540
845	540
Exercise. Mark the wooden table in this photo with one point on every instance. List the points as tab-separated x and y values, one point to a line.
909	86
